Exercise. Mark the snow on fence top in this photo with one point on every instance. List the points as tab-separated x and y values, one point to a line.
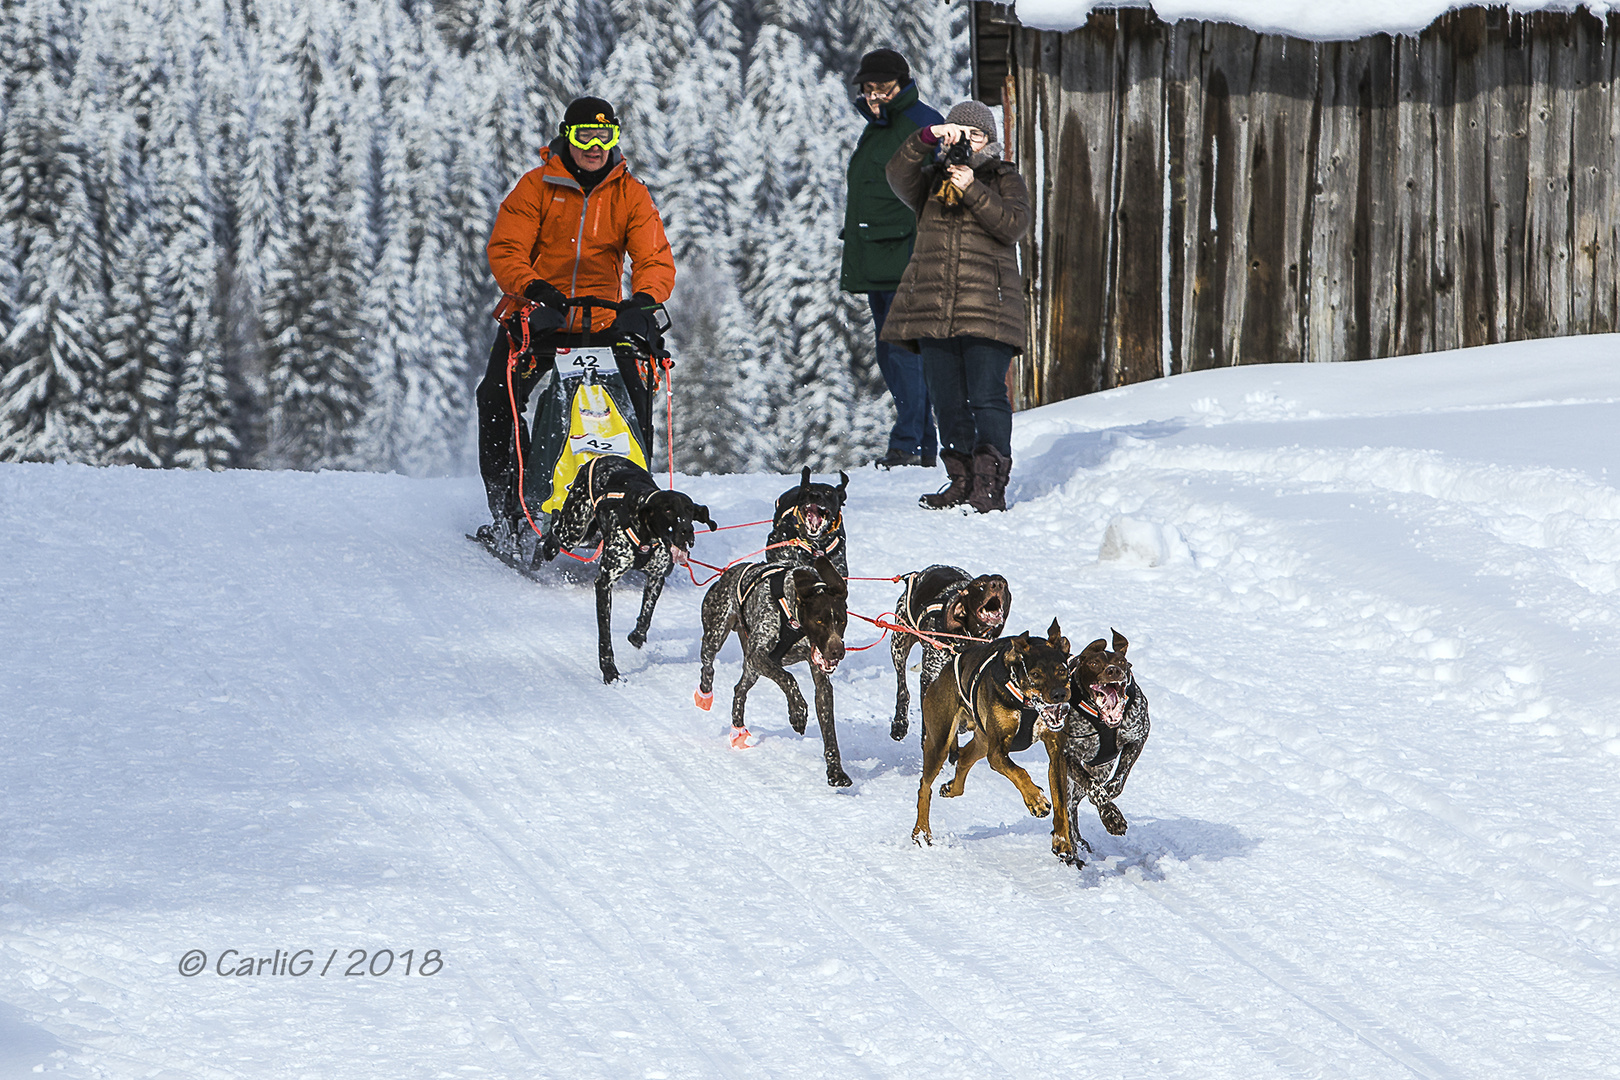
1323	20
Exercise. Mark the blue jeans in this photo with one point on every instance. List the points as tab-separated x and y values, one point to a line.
913	431
967	380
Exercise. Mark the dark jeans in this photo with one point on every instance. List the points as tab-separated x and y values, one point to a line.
967	380
913	431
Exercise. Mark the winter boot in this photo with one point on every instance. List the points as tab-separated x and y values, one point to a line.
991	468
959	467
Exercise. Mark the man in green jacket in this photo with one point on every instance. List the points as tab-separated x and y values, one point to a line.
878	232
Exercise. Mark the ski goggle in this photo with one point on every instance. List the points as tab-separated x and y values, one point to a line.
586	136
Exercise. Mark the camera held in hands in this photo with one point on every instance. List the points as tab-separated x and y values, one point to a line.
959	153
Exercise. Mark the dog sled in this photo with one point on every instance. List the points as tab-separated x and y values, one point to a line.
595	401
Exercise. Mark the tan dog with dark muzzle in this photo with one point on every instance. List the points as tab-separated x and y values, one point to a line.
1006	689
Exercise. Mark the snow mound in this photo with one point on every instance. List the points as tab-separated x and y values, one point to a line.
1131	541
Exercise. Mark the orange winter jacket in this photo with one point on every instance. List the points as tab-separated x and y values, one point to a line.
549	229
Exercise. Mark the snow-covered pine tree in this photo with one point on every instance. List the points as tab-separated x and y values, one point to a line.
793	316
933	34
654	36
312	296
202	434
50	358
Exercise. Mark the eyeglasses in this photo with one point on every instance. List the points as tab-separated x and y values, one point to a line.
880	90
586	136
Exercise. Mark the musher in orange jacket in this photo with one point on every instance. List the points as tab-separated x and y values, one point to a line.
563	232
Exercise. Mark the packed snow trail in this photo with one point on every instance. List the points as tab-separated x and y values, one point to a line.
1374	833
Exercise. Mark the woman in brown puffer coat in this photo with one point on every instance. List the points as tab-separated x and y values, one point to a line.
960	302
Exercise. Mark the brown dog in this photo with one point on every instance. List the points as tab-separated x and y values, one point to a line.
942	604
1006	688
1092	755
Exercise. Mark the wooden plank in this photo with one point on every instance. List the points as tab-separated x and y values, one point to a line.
1508	157
1279	170
1184	113
1029	151
1333	221
1606	278
1413	179
1378	255
1213	206
1437	55
1475	61
1135	313
1593	147
1078	251
1545	297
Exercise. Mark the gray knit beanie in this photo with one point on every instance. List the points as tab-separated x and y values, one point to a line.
974	114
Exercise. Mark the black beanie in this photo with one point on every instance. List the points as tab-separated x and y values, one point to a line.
587	110
881	65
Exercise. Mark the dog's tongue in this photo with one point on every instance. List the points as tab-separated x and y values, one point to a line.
1110	702
813	519
821	661
678	554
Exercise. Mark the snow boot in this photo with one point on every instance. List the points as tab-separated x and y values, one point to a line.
991	468
959	468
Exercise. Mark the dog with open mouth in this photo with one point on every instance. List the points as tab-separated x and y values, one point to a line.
942	605
1011	691
809	521
1092	756
782	615
642	527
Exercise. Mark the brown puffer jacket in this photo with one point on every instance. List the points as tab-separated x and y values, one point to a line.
963	278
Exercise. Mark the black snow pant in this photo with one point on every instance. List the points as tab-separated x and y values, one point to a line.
497	425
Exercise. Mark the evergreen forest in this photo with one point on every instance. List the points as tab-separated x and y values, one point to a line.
250	233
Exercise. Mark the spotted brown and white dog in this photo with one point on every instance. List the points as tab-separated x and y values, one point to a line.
944	601
1010	691
809	521
782	615
1092	756
642	528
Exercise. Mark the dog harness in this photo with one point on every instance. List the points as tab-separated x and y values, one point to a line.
912	619
597	499
1107	735
788	631
1026	711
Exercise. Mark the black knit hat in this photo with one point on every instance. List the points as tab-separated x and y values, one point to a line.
587	110
881	65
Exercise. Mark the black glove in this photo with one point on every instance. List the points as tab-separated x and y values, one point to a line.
544	292
548	316
639	315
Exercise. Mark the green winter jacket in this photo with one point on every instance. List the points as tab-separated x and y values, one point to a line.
878	227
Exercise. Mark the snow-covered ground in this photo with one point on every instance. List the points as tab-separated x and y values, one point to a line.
1375	833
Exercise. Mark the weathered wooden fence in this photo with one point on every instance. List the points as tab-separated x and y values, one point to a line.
1208	195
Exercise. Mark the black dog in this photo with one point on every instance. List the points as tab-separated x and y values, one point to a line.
1092	756
643	528
809	521
942	600
782	615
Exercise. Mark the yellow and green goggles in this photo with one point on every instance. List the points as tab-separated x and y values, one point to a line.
586	136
